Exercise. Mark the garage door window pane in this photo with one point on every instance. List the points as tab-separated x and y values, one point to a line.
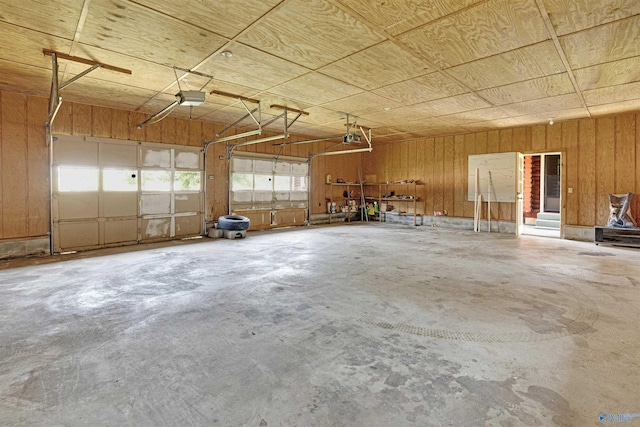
263	183
299	183
186	181
77	179
120	180
242	181
282	183
155	180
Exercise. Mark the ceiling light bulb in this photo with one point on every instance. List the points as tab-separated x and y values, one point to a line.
550	120
387	108
227	54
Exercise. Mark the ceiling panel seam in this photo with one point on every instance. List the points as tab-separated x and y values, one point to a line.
604	24
443	17
218	50
563	57
403	46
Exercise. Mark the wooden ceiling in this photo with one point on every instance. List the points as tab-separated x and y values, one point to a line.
408	69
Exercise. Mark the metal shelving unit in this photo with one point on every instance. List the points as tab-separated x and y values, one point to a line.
353	194
398	189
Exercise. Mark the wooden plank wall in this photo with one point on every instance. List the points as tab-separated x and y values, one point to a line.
24	158
24	167
600	156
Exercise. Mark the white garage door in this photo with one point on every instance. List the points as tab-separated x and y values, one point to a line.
110	192
271	192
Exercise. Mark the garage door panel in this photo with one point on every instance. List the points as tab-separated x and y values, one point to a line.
188	159
300	216
187	203
188	225
156	228
263	166
79	234
258	219
299	196
282	196
116	204
120	231
77	205
300	169
154	204
155	157
120	155
283	168
277	188
69	150
111	192
239	164
262	196
241	196
284	217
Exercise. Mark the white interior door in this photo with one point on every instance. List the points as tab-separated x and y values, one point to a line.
520	195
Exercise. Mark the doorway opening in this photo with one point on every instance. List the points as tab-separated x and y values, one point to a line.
541	195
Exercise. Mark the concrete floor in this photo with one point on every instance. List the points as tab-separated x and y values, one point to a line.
542	232
348	325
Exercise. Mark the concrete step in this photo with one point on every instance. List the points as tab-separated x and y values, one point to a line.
551	216
548	224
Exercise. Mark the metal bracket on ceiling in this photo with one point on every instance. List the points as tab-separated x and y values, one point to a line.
309	141
54	98
250	113
354	125
334	153
367	137
284	135
188	98
350	125
366	133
